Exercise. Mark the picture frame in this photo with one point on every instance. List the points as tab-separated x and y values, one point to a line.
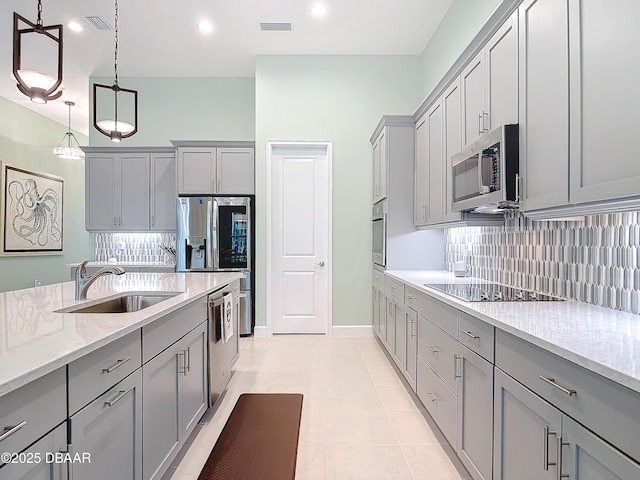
31	204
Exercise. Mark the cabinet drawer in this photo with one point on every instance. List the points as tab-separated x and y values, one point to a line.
603	406
479	336
378	277
443	315
98	371
439	401
394	287
411	297
438	349
167	330
39	406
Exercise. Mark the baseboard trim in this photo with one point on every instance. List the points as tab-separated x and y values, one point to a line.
260	331
352	331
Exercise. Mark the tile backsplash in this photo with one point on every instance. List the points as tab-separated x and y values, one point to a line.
134	247
594	260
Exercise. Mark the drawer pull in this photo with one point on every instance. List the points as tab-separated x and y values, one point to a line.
414	322
562	388
559	468
188	359
471	334
119	396
432	397
116	365
410	297
433	348
545	450
8	431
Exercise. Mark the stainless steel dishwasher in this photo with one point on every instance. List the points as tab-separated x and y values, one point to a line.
219	366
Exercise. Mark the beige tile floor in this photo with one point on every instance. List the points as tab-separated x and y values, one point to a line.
359	420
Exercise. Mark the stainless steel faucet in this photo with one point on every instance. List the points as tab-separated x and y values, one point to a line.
83	282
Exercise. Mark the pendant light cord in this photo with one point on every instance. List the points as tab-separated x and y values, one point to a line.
39	22
115	51
69	134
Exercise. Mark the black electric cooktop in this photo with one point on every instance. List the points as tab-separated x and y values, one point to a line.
490	292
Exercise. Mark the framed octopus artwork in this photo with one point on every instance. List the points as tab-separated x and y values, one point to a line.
31	204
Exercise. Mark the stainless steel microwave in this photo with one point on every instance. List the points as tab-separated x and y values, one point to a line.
485	174
379	233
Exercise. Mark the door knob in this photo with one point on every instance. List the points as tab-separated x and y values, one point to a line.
320	264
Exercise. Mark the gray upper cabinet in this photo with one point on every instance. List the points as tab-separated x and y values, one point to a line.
473	104
421	188
380	156
131	191
429	168
604	102
452	113
544	104
215	170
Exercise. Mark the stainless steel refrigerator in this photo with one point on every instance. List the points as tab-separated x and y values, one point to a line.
214	235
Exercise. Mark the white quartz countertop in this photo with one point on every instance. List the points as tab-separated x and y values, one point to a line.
35	340
602	340
124	264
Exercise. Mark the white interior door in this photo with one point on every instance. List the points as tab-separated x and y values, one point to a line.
299	220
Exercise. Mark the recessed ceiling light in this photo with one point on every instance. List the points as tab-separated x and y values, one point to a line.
319	9
205	26
75	26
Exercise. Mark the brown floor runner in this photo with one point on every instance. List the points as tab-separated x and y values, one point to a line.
259	440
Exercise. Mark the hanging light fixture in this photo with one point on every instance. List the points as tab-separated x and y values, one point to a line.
115	129
68	146
40	87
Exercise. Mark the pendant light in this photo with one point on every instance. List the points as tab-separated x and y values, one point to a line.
68	146
114	128
40	87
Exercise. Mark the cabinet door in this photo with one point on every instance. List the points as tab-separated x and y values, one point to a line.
473	110
194	378
161	411
587	457
234	171
196	170
390	323
380	167
475	413
163	192
399	335
376	309
604	99
436	164
544	103
525	433
101	192
134	192
110	430
452	113
411	345
501	57
37	459
421	173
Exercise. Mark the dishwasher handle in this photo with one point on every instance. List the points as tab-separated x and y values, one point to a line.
215	314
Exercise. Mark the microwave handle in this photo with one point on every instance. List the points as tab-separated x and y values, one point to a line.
480	184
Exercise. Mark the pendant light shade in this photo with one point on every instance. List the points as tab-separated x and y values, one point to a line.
114	127
40	87
68	147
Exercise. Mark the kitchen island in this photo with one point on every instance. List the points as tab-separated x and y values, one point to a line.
124	390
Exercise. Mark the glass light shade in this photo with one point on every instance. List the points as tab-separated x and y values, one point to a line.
111	126
70	153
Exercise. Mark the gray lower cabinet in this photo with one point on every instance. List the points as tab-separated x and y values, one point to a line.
109	429
379	320
38	462
175	397
475	407
411	345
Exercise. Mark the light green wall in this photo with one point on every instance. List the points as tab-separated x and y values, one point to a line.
198	108
27	139
338	99
463	21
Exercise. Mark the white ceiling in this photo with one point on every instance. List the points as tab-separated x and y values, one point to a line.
160	38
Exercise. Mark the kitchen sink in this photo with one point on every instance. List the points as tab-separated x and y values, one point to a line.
123	303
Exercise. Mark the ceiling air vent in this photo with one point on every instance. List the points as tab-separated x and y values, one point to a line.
96	22
276	26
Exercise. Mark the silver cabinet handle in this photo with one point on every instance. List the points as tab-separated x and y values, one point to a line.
188	359
562	388
457	373
432	397
182	366
561	444
479	124
410	297
116	365
10	430
545	449
413	322
153	221
320	263
117	397
517	187
471	334
485	121
434	349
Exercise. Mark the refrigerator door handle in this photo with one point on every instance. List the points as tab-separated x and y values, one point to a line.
211	228
214	235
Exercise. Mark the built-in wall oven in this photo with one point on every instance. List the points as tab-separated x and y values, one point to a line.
379	233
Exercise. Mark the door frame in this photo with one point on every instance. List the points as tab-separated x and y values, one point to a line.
270	304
